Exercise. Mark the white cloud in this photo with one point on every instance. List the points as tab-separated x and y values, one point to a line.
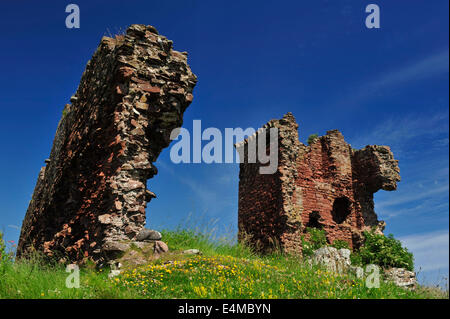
400	133
210	195
431	250
414	196
423	191
440	143
426	209
429	66
204	194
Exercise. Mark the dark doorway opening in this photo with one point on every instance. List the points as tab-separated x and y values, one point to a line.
341	209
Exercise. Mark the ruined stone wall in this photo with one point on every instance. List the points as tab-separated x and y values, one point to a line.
92	191
259	192
326	176
325	185
268	217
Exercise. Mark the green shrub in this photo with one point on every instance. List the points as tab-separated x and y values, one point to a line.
312	138
385	251
339	244
317	239
355	259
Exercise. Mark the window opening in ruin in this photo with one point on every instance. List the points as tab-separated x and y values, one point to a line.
314	218
341	209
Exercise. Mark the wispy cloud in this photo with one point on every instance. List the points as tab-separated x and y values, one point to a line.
429	66
427	209
431	250
420	145
420	142
401	133
422	195
201	191
417	195
209	192
424	68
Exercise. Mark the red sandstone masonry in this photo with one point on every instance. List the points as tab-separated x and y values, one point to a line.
92	192
325	185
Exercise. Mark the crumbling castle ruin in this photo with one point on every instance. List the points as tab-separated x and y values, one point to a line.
91	196
325	185
92	192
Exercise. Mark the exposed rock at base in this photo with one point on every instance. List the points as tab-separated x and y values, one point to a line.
114	273
133	258
192	252
92	191
142	252
114	249
160	247
333	259
339	261
148	234
401	277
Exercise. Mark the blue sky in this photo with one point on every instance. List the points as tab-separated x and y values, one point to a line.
255	61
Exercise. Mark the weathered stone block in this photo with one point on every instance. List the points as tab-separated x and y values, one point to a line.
335	260
401	277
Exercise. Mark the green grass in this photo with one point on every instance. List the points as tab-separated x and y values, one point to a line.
224	270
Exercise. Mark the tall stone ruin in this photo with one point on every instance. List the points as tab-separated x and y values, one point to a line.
326	185
92	191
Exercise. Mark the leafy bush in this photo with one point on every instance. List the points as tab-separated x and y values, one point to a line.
312	138
385	251
339	244
317	239
355	259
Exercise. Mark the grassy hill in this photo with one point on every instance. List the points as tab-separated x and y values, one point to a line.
223	270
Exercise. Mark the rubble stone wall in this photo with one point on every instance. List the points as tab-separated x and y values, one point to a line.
92	191
326	185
